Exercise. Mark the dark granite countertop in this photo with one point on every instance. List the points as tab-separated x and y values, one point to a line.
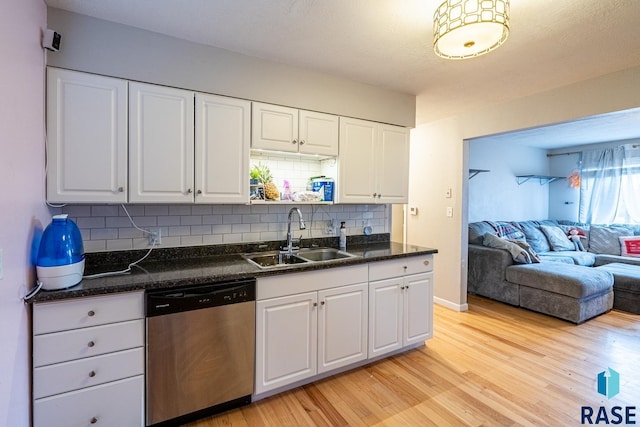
193	266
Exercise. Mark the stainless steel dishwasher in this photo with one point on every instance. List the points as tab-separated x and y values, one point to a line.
200	350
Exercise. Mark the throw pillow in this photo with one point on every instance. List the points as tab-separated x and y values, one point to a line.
527	247
517	253
630	246
606	240
535	236
557	239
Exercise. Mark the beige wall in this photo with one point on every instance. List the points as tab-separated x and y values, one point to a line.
439	160
103	47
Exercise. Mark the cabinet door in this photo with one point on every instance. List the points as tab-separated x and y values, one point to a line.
342	326
418	308
357	169
118	403
86	137
385	316
286	340
318	133
160	144
223	132
274	127
392	159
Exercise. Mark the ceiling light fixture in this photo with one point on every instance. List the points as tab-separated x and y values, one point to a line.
469	28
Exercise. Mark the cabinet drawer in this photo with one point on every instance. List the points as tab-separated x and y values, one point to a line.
400	267
69	376
119	403
83	312
71	345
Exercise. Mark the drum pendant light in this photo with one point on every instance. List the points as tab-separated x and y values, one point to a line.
469	28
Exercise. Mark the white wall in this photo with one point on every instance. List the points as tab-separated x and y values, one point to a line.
103	47
439	159
496	195
22	190
564	201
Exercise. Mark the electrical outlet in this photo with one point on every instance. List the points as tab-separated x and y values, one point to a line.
330	229
155	236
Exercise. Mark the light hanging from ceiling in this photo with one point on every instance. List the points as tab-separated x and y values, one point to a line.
469	28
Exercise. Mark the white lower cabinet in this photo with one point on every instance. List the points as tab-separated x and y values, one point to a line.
88	361
118	403
301	335
400	304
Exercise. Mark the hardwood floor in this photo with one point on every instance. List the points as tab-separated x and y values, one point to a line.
495	365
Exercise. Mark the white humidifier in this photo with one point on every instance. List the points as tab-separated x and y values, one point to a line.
60	262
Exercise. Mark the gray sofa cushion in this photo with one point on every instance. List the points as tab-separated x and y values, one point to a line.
477	230
518	253
602	259
606	240
534	235
557	239
574	281
586	259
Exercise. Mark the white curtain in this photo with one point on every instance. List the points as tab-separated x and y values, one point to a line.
601	185
629	210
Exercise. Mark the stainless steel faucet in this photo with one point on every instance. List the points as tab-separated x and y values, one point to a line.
290	247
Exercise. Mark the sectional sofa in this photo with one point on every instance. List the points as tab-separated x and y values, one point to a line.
535	265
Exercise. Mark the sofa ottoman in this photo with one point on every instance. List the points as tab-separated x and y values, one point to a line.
626	286
570	292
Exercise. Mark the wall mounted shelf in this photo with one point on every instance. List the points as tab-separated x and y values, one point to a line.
544	179
474	172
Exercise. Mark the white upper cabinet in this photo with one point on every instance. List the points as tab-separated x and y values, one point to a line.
373	162
86	137
223	136
392	171
291	130
161	146
357	166
318	133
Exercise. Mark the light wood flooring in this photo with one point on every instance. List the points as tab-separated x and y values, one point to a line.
495	365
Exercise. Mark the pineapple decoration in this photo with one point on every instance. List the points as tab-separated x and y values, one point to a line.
263	175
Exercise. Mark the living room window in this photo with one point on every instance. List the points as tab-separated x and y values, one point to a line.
610	185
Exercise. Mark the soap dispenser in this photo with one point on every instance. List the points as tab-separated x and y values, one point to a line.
343	236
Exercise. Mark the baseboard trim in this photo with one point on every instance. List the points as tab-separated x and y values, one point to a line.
451	305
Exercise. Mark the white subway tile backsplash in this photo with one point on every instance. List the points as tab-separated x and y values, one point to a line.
183	230
190	220
154	210
180	210
107	228
191	240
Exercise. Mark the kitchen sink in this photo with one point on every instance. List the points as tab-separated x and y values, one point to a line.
323	254
273	259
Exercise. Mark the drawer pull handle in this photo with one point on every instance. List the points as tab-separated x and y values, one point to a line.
426	262
94	420
92	374
91	344
91	313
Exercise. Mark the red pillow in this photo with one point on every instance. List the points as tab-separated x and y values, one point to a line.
630	246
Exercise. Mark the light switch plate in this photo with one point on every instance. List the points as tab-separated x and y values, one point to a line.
413	210
449	211
447	193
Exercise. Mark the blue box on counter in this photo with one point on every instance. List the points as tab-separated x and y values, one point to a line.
326	185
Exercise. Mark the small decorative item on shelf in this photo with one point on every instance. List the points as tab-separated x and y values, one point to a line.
263	174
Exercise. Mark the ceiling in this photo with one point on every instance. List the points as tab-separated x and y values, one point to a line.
389	43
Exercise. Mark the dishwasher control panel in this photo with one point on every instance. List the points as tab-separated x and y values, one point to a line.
176	300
